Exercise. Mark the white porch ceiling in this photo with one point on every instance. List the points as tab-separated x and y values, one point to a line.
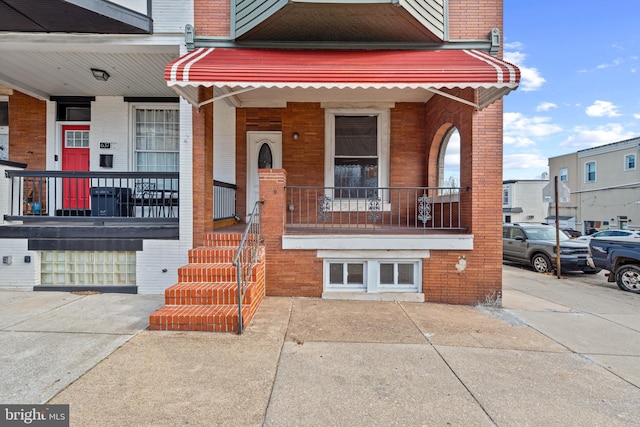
44	69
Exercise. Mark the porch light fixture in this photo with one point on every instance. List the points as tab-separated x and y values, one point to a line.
296	136
101	75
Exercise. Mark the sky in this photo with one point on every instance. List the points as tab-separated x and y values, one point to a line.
580	84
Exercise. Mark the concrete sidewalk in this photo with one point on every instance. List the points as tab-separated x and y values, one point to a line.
308	362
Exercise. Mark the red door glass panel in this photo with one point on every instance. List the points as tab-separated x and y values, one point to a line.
75	157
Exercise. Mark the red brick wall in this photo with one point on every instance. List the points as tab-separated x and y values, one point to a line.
481	171
473	19
211	17
408	145
289	273
28	131
415	128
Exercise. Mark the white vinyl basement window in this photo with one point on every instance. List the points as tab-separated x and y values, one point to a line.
372	275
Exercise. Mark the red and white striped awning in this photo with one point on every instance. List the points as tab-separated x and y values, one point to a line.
433	70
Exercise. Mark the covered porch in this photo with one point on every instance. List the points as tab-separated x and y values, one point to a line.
345	151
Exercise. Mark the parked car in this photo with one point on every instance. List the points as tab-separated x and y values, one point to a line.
621	258
612	235
571	233
535	245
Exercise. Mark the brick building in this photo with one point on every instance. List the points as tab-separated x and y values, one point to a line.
334	117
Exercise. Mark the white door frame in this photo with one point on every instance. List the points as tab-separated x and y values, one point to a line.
255	140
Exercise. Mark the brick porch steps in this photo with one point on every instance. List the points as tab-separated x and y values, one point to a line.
202	293
206	318
206	295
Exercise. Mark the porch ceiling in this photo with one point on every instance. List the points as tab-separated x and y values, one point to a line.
46	65
71	16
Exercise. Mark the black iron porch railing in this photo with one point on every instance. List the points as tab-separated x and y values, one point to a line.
87	196
224	200
410	209
247	257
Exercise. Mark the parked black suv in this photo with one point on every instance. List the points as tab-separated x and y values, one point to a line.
535	245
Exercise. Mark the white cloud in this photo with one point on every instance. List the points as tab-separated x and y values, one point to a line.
525	161
602	109
584	137
613	63
517	125
530	78
636	116
514	46
452	155
546	106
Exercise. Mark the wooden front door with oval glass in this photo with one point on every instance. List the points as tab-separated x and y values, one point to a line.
264	151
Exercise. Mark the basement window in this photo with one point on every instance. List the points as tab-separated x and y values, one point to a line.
372	275
86	268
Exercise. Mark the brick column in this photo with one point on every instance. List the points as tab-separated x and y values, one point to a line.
272	183
202	170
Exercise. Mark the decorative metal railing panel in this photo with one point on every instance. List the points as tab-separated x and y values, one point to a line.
412	208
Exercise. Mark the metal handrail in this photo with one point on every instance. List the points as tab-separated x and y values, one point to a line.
224	196
246	256
85	196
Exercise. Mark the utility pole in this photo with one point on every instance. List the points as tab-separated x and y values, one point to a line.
558	266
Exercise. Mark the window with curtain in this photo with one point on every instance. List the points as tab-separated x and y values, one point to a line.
157	134
356	155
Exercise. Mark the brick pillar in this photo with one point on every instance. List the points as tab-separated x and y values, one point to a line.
486	204
202	169
28	131
272	183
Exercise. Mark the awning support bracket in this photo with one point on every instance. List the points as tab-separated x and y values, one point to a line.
226	95
455	98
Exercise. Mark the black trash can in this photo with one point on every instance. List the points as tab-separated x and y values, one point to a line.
111	201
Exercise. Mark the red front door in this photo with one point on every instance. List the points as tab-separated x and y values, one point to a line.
75	157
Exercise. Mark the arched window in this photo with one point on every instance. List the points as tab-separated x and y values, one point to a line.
265	157
449	159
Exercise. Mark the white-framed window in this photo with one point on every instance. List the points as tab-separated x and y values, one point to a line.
76	139
564	174
630	162
346	275
156	136
372	275
505	196
356	151
590	172
397	276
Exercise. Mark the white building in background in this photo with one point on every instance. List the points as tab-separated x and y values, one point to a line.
604	183
522	201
